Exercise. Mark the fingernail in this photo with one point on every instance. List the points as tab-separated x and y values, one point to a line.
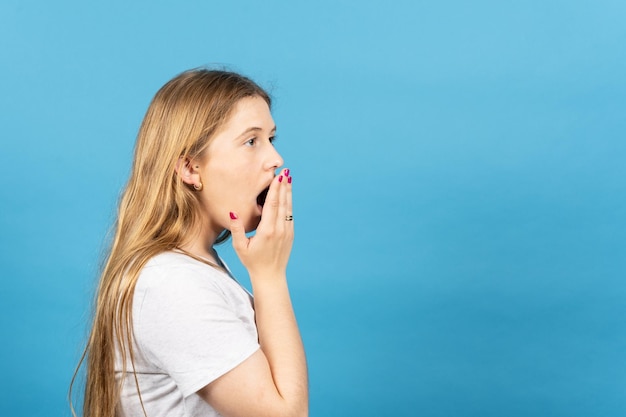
280	179
289	180
287	172
233	216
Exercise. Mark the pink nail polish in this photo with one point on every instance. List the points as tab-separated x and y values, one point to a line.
233	216
289	180
280	179
287	172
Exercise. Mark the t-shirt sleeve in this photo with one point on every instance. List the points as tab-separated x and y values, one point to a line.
186	323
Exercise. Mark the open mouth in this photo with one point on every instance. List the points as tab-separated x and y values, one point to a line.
260	200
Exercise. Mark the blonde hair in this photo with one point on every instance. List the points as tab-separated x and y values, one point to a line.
157	213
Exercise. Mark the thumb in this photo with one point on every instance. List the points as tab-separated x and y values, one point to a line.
238	232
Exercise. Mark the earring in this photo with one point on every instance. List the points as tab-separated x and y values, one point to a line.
197	187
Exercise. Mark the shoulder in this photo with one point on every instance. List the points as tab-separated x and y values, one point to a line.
171	274
169	261
168	265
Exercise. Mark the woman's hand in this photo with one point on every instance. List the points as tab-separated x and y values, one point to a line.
273	381
265	255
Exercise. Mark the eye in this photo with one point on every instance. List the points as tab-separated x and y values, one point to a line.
250	142
273	139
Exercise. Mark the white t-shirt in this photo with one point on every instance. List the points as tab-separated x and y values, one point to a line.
192	323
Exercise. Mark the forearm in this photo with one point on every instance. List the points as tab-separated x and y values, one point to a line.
281	343
275	376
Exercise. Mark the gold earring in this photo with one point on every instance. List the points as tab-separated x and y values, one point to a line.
197	187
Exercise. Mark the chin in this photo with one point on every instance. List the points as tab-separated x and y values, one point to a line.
252	224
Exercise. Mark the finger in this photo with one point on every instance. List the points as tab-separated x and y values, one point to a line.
270	208
282	207
238	232
289	198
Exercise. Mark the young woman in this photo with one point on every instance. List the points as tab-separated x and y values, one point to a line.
174	334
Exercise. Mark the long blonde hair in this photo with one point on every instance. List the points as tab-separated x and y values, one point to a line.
157	213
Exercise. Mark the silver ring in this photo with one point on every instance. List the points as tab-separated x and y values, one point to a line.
288	218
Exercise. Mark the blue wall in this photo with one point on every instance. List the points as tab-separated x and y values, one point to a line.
460	194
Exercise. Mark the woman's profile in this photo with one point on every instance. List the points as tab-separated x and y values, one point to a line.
173	333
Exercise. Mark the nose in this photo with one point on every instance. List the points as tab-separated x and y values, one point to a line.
273	159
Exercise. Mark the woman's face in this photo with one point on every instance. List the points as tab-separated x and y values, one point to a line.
240	164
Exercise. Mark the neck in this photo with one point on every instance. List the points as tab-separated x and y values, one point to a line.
201	244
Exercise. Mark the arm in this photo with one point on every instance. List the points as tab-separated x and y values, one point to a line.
273	381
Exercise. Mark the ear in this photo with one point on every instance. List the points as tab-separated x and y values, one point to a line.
188	171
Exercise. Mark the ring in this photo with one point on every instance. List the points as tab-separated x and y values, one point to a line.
288	218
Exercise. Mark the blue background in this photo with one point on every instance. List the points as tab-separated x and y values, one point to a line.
460	195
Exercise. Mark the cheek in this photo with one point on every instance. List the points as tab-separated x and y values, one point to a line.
235	189
223	179
233	182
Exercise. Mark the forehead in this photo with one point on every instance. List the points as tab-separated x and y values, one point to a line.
249	112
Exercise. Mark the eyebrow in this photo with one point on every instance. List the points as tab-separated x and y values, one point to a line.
255	129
